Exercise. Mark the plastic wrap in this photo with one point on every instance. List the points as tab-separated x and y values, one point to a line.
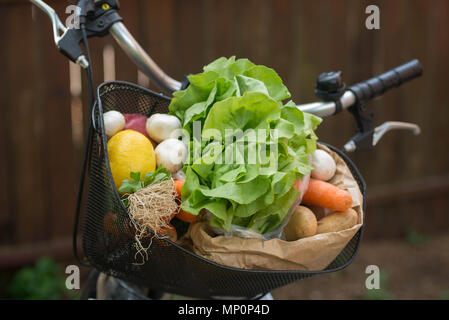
242	232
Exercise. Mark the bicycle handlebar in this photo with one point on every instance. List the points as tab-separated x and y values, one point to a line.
378	85
58	27
367	90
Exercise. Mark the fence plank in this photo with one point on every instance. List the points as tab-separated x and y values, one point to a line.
25	123
188	23
281	39
6	227
125	69
60	166
441	114
224	28
415	95
437	113
157	28
254	43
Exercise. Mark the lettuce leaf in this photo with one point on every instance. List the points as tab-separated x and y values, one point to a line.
220	80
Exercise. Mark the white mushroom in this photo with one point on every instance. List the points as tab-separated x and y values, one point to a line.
323	164
171	154
114	122
161	126
179	175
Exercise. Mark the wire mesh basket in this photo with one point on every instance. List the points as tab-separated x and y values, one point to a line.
170	267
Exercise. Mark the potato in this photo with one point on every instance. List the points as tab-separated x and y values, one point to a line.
302	224
320	212
338	221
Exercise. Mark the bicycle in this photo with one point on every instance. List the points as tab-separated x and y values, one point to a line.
99	18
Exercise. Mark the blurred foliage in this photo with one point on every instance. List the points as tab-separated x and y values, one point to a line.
415	238
382	293
444	295
43	281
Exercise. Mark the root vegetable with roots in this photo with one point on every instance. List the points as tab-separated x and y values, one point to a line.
150	210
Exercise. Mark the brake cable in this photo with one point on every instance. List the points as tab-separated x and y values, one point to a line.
86	157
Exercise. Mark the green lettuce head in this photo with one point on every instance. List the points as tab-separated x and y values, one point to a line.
251	147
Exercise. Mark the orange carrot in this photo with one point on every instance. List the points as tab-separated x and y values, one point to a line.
326	195
169	232
178	186
183	215
186	216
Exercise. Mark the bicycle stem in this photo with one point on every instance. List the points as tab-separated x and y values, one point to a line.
328	108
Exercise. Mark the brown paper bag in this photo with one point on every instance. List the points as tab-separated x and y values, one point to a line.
312	253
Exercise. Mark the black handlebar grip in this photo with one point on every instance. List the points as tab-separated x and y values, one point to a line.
378	85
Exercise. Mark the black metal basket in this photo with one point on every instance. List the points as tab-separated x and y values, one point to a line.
170	267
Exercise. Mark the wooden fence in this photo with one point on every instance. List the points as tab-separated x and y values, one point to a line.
44	103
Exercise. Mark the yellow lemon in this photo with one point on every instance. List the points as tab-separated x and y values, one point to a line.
130	151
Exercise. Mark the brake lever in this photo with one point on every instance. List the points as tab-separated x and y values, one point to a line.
58	26
378	132
59	31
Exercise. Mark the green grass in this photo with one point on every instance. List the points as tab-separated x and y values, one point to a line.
382	293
